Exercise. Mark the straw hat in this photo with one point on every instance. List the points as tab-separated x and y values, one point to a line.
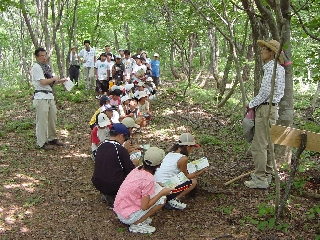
273	45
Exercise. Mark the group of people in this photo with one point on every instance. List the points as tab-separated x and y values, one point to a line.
130	177
136	191
110	69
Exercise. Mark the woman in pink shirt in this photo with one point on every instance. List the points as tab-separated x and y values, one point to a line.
137	198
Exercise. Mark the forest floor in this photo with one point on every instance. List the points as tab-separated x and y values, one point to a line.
49	194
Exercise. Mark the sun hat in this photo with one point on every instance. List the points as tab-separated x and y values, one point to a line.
118	56
186	139
125	98
142	94
103	120
129	122
154	156
273	45
149	79
104	99
156	55
120	128
140	84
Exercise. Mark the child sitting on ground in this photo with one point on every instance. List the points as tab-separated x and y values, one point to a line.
144	109
151	87
175	162
134	203
104	100
133	149
99	133
141	89
115	99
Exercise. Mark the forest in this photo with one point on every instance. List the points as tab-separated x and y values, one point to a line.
210	70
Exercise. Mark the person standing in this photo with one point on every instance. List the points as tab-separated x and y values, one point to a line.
74	66
155	69
43	101
262	176
101	73
88	58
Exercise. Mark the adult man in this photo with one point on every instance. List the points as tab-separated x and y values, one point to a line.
46	111
88	58
112	163
259	147
74	66
155	69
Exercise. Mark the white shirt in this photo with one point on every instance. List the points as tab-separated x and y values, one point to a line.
37	75
168	167
109	67
265	88
128	64
102	69
88	56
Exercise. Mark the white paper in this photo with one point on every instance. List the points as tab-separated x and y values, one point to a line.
197	165
175	180
68	84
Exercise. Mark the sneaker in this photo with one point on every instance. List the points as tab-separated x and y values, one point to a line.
108	199
176	203
141	228
46	146
98	97
56	142
257	183
269	177
147	221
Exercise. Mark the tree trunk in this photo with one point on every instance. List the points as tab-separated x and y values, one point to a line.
127	34
315	96
116	41
173	70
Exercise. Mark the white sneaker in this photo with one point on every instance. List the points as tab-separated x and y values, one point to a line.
176	203
141	228
147	221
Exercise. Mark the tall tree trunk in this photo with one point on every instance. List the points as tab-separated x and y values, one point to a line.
116	41
173	69
127	34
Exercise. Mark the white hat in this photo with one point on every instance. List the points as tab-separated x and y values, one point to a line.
154	156
103	120
118	56
142	94
186	139
129	86
149	79
156	55
140	84
125	98
129	122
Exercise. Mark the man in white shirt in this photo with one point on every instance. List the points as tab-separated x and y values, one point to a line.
262	176
43	101
88	58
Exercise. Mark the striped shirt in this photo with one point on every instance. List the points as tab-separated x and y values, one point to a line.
265	88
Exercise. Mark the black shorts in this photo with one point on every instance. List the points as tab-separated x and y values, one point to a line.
156	81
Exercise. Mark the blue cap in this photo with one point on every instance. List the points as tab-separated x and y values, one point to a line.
120	128
104	99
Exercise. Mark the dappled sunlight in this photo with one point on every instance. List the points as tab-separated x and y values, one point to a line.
28	185
12	216
64	133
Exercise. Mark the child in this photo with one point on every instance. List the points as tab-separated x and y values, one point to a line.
104	100
115	97
134	150
99	133
118	71
144	109
151	87
100	71
133	110
141	89
133	204
175	162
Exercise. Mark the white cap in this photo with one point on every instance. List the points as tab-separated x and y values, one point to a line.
103	120
156	55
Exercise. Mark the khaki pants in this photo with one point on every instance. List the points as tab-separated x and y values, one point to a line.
89	77
46	119
259	145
